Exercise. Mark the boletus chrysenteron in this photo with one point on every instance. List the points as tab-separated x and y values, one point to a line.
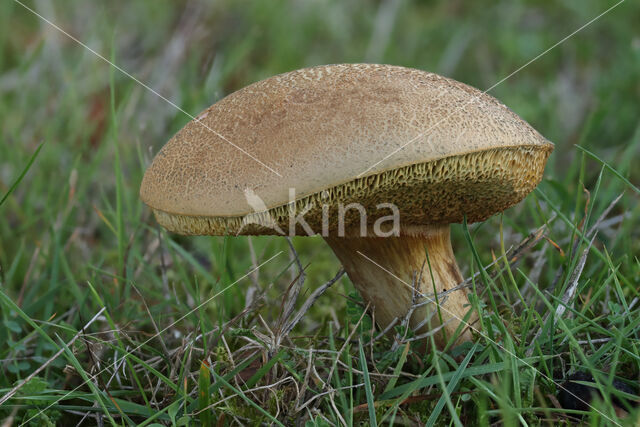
377	159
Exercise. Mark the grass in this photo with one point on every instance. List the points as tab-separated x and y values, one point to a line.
178	342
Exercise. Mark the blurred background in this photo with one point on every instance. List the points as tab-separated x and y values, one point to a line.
75	221
584	91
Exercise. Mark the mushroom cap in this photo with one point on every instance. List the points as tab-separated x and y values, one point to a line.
350	133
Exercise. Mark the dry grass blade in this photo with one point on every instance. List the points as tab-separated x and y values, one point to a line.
255	282
298	281
346	342
601	220
568	295
309	302
573	281
514	255
153	322
13	391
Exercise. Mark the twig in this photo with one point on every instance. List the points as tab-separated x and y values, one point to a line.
384	331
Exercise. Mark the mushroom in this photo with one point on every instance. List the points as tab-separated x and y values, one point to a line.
378	159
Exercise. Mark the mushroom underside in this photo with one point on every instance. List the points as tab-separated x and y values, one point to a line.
443	191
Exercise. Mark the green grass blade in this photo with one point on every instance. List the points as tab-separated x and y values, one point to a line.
89	381
396	371
367	387
473	371
264	369
204	382
453	383
245	398
22	174
611	168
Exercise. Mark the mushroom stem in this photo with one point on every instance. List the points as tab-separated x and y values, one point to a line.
384	270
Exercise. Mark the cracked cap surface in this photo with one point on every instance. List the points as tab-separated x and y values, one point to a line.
322	129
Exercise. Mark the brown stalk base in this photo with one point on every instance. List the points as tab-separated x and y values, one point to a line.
384	270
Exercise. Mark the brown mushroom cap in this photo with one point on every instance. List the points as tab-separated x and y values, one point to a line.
320	128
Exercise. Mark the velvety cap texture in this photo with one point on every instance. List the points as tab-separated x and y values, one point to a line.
366	133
